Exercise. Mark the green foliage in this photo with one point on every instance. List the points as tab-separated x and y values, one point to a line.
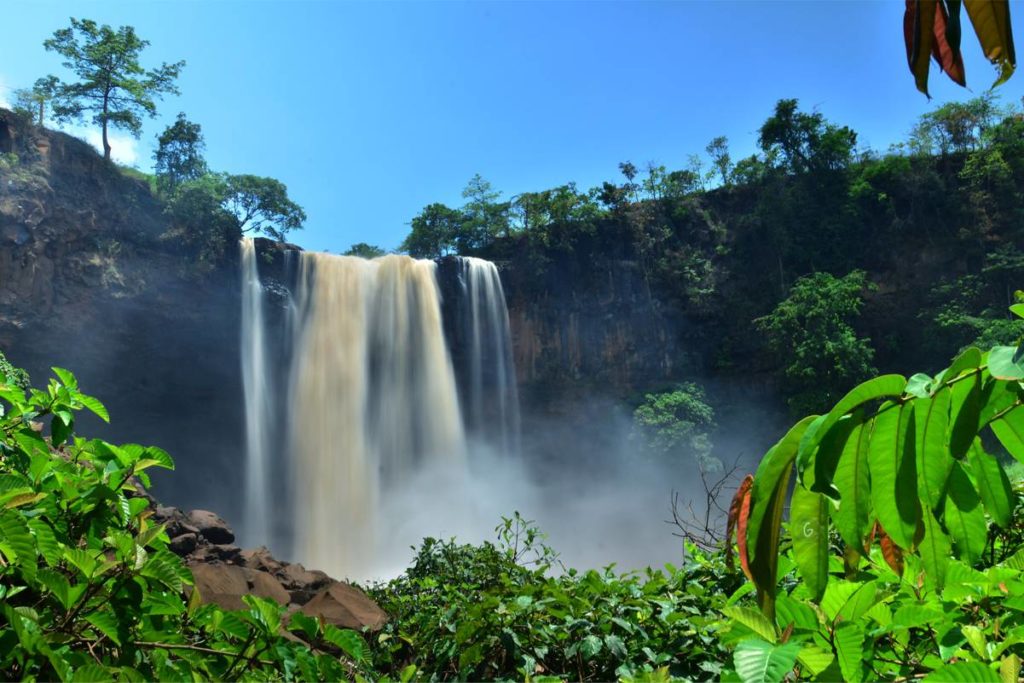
112	85
88	587
31	102
496	611
812	329
677	422
12	375
364	250
805	143
179	154
928	492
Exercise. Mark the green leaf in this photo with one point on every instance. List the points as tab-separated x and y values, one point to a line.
759	662
964	516
873	389
16	542
964	415
66	377
969	359
95	406
933	458
154	456
912	615
350	642
107	624
789	610
815	659
963	672
616	646
46	541
993	484
1004	363
1017	310
752	619
935	550
852	482
590	646
92	673
1009	669
768	496
809	530
1009	429
976	639
266	613
57	584
893	473
996	398
849	644
919	385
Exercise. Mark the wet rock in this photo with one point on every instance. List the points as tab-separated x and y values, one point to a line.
184	544
211	526
345	606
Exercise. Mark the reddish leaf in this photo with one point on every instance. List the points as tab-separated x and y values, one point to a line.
891	552
946	46
739	513
919	34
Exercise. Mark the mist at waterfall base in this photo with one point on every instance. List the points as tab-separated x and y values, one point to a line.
374	420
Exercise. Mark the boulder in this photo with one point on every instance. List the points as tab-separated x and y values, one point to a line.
225	584
184	544
211	526
346	606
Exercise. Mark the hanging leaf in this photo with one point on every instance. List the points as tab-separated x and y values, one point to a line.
808	527
935	550
969	359
933	458
946	42
852	482
964	516
1005	363
768	500
893	472
993	484
849	643
1009	429
821	472
739	513
991	20
964	411
891	553
918	34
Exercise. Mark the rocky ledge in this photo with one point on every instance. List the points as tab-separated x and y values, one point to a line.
224	573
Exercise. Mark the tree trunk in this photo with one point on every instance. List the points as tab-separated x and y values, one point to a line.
42	103
106	142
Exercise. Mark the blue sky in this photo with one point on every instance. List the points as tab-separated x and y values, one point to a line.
370	110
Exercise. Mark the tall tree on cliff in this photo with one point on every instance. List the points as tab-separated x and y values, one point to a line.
179	154
112	85
32	101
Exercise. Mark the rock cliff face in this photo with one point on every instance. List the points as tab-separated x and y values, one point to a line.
88	283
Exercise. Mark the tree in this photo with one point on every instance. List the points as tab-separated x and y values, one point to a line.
262	205
434	232
364	250
112	85
718	150
484	218
677	421
179	154
955	127
812	329
32	101
806	142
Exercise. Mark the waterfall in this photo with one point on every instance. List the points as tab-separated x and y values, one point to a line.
492	397
367	398
259	407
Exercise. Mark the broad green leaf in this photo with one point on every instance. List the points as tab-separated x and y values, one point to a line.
935	551
815	659
753	620
809	530
1009	669
879	387
820	476
919	385
964	516
964	413
757	661
976	639
1009	429
1004	363
590	646
95	406
67	378
616	646
993	484
1017	310
912	615
893	473
852	482
996	398
789	610
849	644
934	461
860	601
963	672
46	541
350	642
768	496
16	542
106	623
969	359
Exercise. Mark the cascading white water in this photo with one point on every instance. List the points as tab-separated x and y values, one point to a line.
492	377
371	398
259	409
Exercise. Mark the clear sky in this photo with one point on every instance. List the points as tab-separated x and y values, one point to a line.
368	111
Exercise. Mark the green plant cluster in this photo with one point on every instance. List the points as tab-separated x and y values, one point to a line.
904	553
88	588
677	422
501	611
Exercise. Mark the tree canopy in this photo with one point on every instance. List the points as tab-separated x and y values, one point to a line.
112	85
